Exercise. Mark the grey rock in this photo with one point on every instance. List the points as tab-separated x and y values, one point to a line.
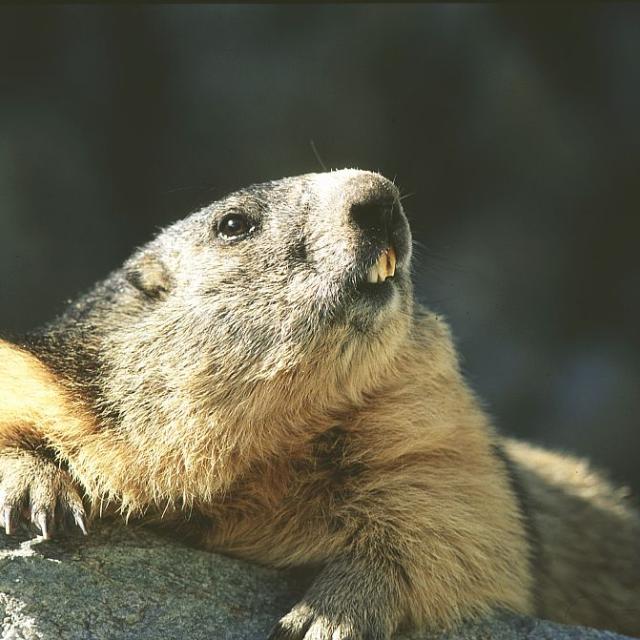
126	583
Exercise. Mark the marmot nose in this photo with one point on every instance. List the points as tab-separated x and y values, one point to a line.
374	215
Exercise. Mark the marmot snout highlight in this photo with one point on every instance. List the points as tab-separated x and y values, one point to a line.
259	379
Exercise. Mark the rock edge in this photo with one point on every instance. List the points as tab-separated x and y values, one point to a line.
128	583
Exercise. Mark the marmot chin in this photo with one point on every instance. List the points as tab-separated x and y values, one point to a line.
259	379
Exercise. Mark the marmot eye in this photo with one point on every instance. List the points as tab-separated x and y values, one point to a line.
233	225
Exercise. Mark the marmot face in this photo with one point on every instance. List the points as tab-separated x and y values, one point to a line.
311	269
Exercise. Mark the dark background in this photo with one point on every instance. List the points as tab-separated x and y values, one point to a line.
514	129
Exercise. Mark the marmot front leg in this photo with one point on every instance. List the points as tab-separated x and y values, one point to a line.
353	598
35	489
33	407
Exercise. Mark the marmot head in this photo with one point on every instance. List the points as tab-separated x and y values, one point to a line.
303	276
250	325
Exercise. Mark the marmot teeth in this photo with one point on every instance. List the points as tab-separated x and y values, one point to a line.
385	267
391	262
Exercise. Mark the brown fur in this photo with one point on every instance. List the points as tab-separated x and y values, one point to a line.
368	458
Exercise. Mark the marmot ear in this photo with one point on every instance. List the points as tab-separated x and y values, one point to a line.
147	273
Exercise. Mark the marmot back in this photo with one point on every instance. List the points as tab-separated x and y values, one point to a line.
259	380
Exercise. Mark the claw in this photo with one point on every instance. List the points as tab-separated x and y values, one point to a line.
41	521
8	521
80	521
287	631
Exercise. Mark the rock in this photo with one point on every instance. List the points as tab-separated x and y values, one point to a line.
124	583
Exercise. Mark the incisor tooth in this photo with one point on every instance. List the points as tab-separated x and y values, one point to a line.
385	267
386	264
391	266
382	267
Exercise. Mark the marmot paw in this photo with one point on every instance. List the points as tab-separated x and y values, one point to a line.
35	490
305	622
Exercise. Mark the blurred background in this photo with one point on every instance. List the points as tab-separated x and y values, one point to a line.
513	131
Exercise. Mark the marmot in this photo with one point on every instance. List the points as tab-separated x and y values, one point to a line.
259	379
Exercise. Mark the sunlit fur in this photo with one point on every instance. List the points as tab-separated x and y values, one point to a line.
240	395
